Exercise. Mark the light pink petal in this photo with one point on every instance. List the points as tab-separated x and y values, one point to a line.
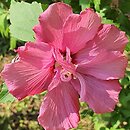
76	84
60	109
51	23
32	72
100	95
39	54
103	65
110	38
79	29
24	79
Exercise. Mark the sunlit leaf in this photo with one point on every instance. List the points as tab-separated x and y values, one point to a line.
23	17
12	43
97	4
5	96
3	25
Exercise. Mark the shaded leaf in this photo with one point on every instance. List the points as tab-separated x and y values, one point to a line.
124	5
84	4
67	1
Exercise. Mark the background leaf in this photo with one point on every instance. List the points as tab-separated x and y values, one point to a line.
67	1
84	4
97	4
5	96
4	24
124	5
12	43
23	17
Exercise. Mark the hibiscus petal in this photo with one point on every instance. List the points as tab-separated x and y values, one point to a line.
23	79
79	29
103	65
76	84
39	55
31	74
60	108
51	24
100	95
110	38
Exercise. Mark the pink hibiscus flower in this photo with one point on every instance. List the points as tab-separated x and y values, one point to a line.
73	56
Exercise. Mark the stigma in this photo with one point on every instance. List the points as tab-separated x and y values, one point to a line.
65	76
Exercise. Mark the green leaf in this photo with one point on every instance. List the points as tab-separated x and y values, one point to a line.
124	22
125	81
97	4
98	123
5	96
3	24
67	1
2	27
124	5
116	125
128	47
23	17
105	20
125	99
75	6
44	6
84	4
126	112
12	43
105	3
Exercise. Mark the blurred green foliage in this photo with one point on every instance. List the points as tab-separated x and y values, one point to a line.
115	12
5	96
